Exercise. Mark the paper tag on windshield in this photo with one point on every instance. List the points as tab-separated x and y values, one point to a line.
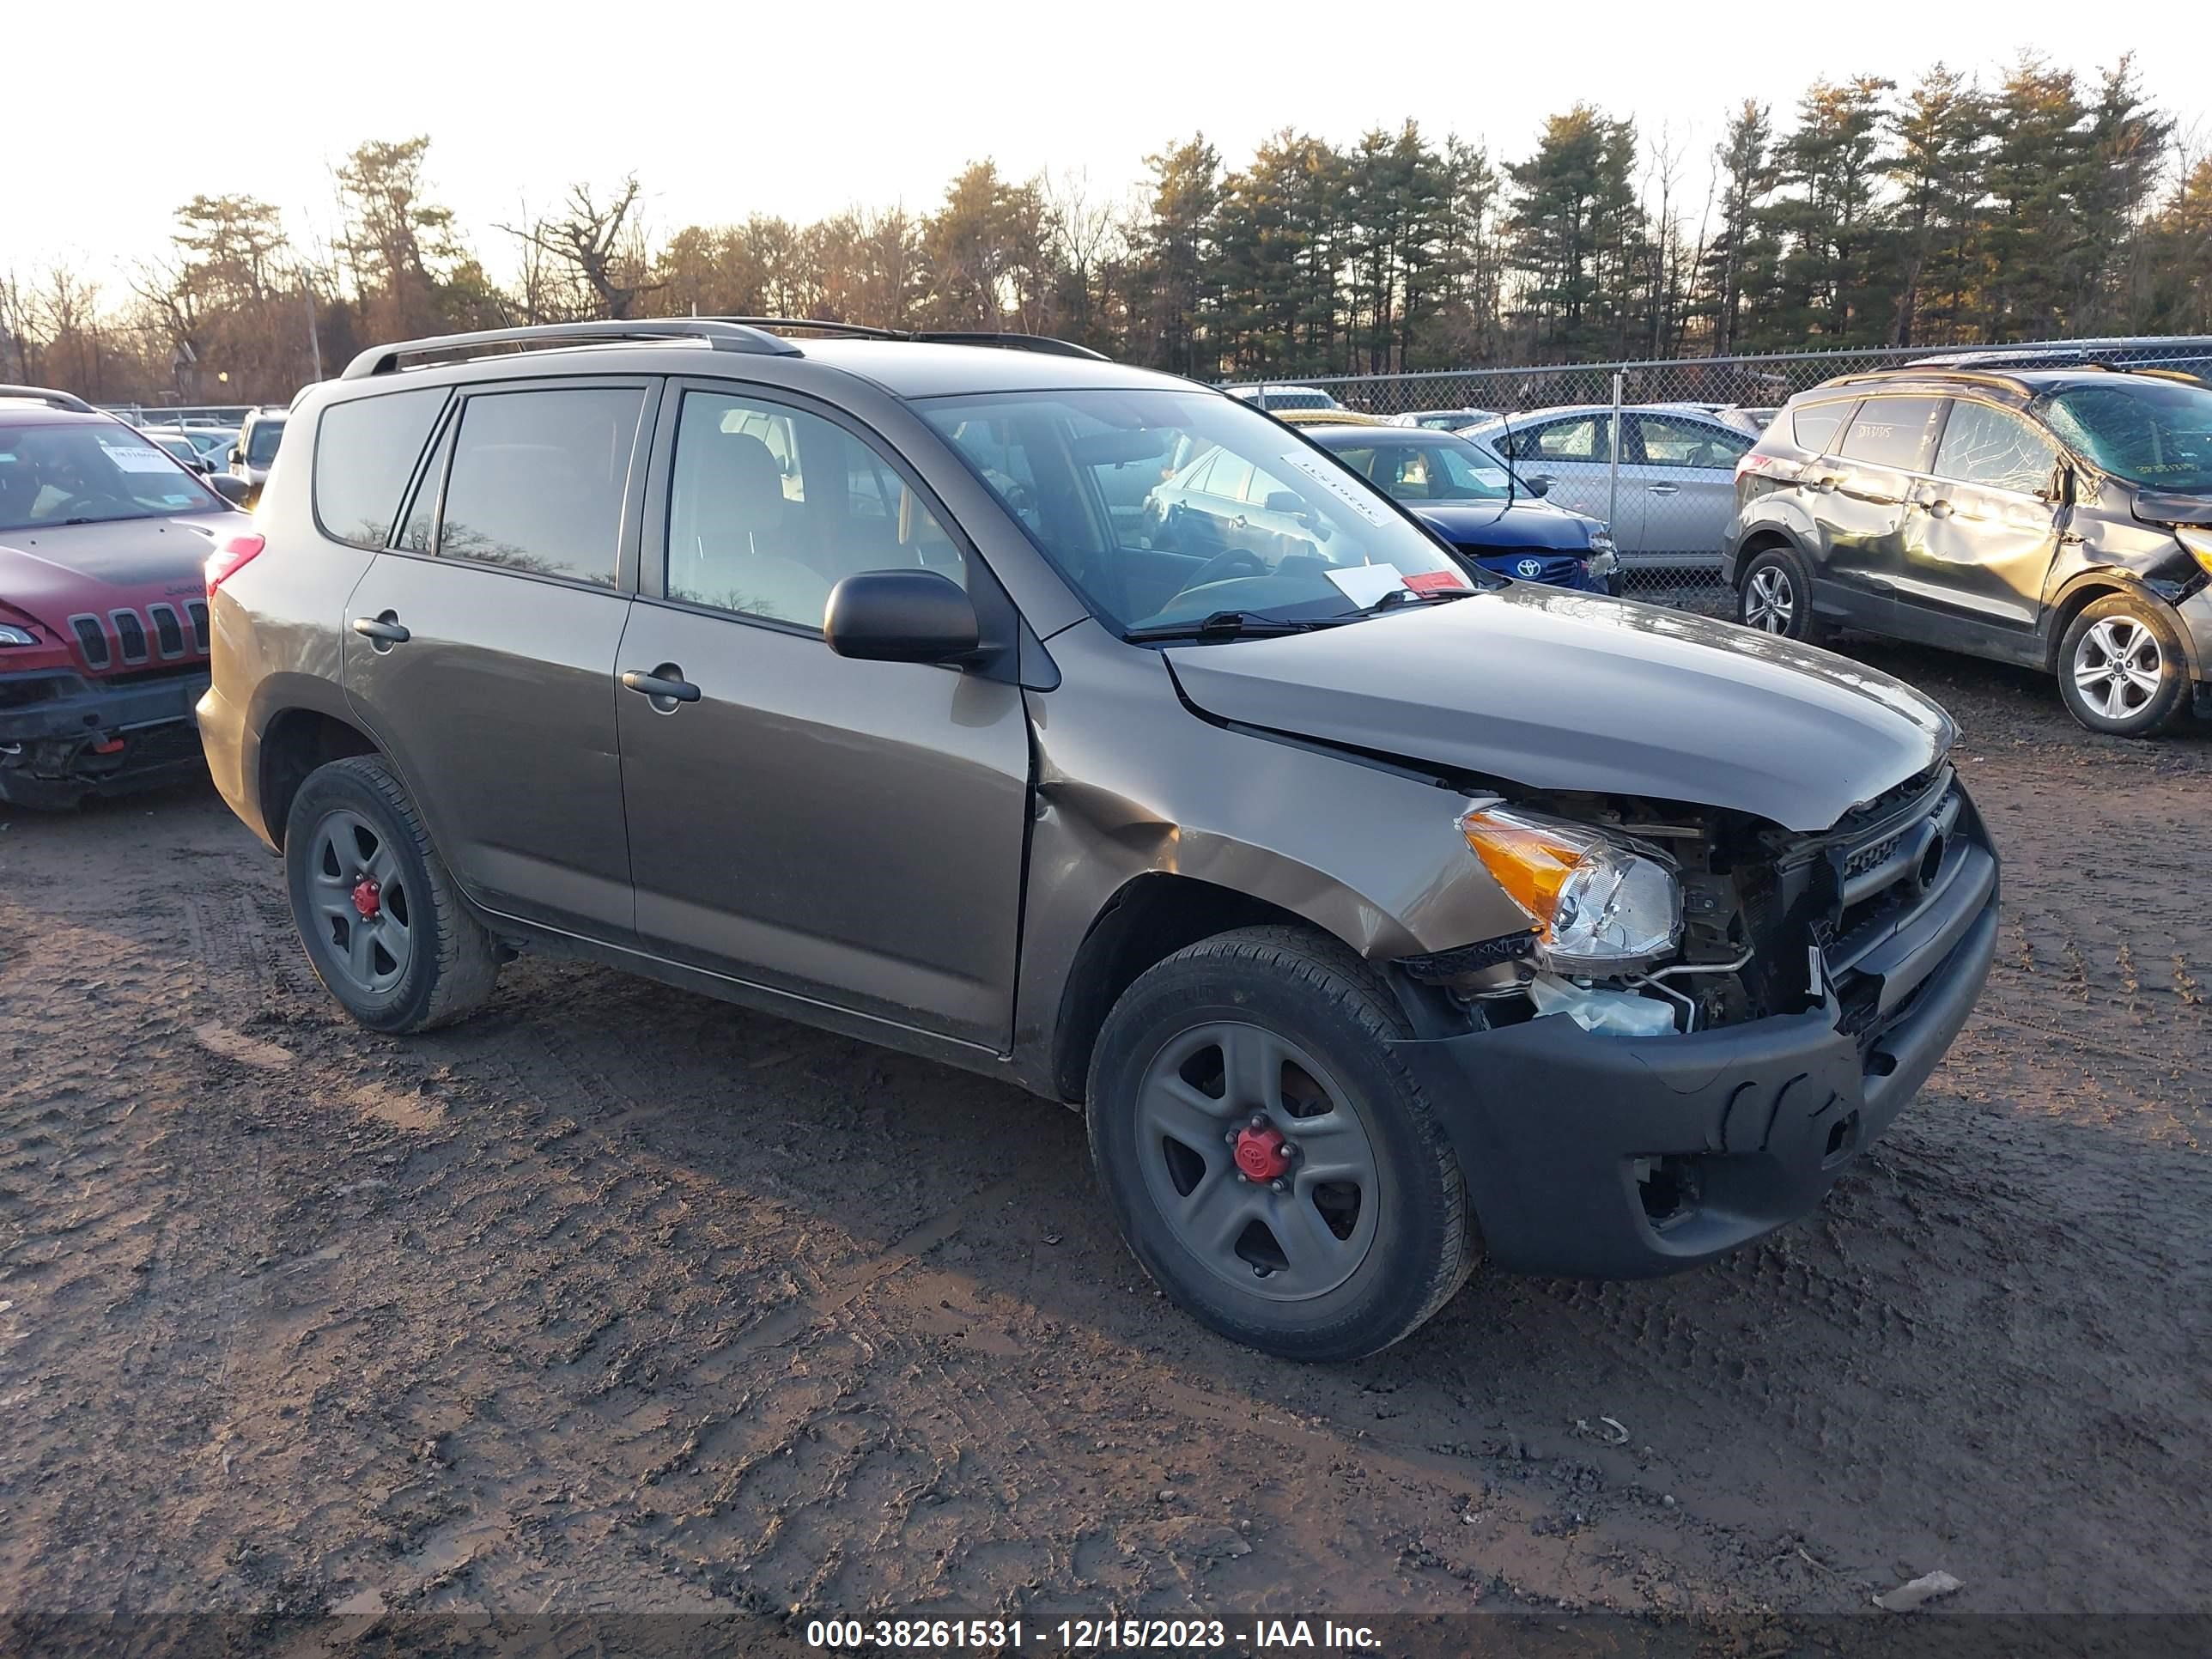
1490	477
134	457
1340	484
1365	584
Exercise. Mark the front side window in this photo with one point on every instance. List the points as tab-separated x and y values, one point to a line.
1670	441
1983	445
261	443
1455	471
536	480
91	472
2150	432
365	452
1895	432
1199	542
770	507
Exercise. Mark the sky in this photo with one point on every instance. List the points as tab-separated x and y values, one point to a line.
723	110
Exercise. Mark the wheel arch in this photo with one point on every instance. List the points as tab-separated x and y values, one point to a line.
1148	917
2085	589
295	742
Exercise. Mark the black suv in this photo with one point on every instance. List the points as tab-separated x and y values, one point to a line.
2056	515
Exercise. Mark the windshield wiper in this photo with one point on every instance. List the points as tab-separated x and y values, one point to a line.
1234	625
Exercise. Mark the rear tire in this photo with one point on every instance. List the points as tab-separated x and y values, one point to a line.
1774	595
377	909
2123	669
1278	1037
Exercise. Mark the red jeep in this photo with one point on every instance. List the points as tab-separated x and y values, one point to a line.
104	540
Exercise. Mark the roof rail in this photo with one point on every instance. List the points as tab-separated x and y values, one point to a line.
1011	341
720	334
2016	357
51	398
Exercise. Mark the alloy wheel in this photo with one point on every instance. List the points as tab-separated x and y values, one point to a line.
1769	600
2116	667
1258	1161
361	902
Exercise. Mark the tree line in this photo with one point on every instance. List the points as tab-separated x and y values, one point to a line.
2049	205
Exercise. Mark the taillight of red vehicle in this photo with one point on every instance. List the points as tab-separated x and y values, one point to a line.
231	554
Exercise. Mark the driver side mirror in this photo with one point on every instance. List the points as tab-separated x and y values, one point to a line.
1538	483
231	487
236	455
900	615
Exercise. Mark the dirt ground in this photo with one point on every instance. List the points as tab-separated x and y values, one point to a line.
618	1298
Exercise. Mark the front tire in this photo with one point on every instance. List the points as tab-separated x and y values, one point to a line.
1271	1164
377	909
2122	668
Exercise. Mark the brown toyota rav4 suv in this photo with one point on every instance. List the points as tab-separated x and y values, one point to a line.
1382	915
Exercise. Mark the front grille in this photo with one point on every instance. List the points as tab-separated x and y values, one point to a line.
92	640
130	634
166	628
198	612
1871	856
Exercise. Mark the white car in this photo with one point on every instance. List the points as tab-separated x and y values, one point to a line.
1677	475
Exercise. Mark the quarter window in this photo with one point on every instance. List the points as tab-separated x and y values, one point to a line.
770	507
365	452
1815	426
1986	445
1895	432
537	478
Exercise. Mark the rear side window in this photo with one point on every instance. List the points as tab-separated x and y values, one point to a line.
365	452
1670	441
1989	447
1583	438
1815	426
538	479
1895	432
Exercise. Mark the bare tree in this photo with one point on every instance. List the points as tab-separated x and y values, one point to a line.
603	244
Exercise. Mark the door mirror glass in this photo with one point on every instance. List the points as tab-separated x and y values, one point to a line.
900	615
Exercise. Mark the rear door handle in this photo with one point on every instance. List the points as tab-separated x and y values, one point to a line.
1940	509
1663	489
384	630
666	685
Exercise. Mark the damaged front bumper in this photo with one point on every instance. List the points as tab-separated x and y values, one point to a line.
1619	1158
63	737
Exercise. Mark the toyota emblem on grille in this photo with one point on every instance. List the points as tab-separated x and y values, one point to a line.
1529	568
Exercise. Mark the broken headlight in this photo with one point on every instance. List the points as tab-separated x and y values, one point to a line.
1601	906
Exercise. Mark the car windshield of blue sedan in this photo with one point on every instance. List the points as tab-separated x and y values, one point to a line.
90	474
1165	508
1433	470
2153	433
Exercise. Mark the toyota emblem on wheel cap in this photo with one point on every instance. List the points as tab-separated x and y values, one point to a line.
1529	568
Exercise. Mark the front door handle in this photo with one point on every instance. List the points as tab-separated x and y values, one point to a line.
1664	490
382	631
666	685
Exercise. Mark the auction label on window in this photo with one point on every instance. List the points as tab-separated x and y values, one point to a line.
137	458
1338	483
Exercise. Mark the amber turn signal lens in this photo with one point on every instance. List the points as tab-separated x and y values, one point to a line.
1531	862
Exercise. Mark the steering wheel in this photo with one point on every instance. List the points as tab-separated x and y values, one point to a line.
79	506
1222	564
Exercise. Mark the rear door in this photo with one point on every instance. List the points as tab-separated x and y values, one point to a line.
1686	471
1984	527
1857	496
480	648
849	832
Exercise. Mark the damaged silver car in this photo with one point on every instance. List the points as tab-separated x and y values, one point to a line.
1384	917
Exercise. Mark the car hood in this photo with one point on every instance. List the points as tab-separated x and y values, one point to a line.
1555	689
57	571
1508	525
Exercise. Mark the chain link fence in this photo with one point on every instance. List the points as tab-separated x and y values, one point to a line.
1651	448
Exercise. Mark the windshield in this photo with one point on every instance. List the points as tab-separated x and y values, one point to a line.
261	447
2153	433
1428	470
1164	507
90	474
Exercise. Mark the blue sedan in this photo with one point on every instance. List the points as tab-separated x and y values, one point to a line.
1472	500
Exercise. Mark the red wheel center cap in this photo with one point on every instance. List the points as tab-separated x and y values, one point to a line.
1260	1154
367	896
